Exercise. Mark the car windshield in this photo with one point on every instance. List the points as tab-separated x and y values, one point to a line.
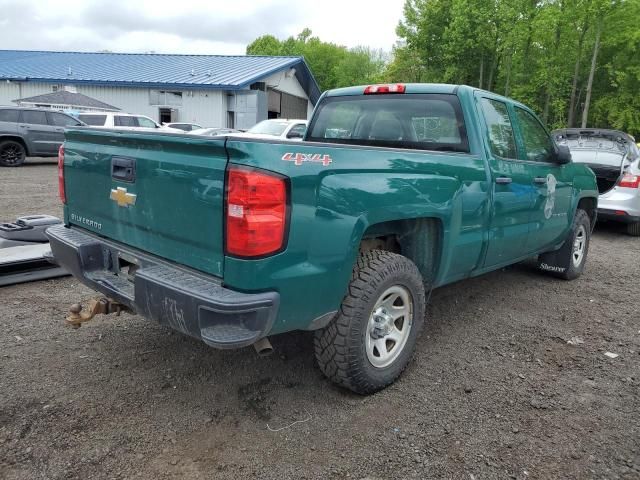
416	121
269	127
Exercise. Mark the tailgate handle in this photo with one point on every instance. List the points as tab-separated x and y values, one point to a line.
123	169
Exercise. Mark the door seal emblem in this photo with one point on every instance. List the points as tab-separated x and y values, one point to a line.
551	196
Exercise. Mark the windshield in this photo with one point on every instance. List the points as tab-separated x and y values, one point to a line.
269	127
417	121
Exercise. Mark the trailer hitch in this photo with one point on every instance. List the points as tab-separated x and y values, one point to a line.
97	306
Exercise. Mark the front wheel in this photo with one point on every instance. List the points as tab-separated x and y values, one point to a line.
371	340
568	262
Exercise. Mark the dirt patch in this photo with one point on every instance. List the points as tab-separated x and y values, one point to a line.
495	390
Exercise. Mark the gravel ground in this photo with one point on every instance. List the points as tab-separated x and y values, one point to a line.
495	389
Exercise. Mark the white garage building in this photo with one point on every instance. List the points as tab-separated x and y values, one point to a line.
211	90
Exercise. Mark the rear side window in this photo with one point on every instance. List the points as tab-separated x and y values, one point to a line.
122	121
95	120
297	130
34	117
501	140
145	122
416	121
538	145
8	115
60	120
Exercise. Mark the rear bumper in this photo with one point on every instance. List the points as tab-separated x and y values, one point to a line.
187	301
611	215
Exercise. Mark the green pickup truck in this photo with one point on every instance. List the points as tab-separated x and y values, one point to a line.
395	190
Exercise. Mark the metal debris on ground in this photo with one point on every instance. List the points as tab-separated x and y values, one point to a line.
291	424
611	354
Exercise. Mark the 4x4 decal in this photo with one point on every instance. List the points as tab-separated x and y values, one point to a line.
300	158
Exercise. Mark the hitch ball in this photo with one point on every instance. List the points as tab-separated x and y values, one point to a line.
101	305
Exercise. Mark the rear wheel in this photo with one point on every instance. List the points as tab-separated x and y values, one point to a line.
633	229
12	153
371	341
568	262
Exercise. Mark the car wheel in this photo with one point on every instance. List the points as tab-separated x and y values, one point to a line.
568	262
12	153
633	229
372	339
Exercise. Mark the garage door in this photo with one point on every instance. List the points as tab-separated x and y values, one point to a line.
292	106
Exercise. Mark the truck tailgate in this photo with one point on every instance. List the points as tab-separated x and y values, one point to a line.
160	193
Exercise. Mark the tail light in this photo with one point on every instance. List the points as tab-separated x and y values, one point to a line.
256	212
390	88
61	192
629	181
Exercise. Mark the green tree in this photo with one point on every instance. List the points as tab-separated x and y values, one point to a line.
569	59
332	65
265	45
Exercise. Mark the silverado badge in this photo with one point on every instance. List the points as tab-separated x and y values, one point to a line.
122	197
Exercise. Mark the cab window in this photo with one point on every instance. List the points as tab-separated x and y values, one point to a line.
414	121
501	140
538	145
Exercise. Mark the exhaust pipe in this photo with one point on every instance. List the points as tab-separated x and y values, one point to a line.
263	347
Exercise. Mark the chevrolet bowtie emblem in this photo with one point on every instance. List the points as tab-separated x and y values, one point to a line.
122	198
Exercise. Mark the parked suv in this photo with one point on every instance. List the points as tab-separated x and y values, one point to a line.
27	132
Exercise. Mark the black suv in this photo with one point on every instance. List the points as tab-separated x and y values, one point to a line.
26	132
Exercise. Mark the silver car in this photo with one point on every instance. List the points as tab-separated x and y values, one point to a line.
615	159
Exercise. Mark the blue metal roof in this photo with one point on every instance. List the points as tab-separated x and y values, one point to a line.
228	72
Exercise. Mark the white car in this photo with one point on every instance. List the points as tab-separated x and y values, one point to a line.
121	120
615	160
277	128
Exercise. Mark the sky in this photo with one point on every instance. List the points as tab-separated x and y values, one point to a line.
191	26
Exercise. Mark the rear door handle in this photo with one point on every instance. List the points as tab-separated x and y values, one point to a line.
503	180
540	180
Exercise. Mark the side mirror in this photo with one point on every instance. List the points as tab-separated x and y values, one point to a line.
563	155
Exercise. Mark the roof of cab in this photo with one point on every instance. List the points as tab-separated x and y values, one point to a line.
409	88
442	88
